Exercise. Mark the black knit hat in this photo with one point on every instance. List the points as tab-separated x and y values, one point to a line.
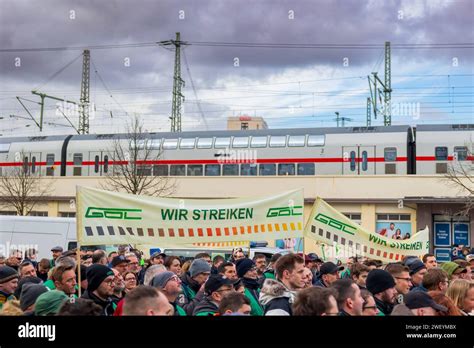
379	280
7	273
96	274
243	266
23	281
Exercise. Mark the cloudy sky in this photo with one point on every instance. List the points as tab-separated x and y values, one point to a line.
307	59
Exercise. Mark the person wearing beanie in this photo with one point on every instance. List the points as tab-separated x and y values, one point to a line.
8	284
247	271
192	283
50	302
417	272
382	285
100	287
22	282
216	287
29	294
170	285
453	269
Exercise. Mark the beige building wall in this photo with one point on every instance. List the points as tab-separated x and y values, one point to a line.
246	122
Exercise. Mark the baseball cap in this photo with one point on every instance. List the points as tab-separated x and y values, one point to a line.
329	268
117	260
312	257
420	299
157	254
214	282
57	248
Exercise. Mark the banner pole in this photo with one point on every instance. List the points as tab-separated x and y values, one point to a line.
78	256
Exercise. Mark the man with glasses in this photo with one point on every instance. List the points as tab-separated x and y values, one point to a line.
401	274
100	288
170	285
216	287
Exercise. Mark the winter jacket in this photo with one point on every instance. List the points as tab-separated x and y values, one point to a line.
108	307
320	283
178	311
276	298
4	297
205	308
252	293
419	288
191	295
401	309
383	307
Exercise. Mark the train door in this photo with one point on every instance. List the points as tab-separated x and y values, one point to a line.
358	160
95	163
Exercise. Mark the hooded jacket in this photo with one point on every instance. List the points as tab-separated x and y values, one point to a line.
206	307
191	295
108	307
276	298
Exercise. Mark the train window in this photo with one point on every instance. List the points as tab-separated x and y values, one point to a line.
353	161
33	164
187	143
316	140
50	159
106	164
96	164
296	140
195	170
212	170
390	154
25	165
144	170
278	141
204	143
267	169
441	153
154	144
77	159
222	143
364	161
248	169
305	168
460	153
178	170
240	142
77	171
258	142
4	147
230	169
160	170
286	169
170	144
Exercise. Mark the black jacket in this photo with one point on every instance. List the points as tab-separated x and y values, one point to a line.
384	307
205	307
191	295
320	283
108	307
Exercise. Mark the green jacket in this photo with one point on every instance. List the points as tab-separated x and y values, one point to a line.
270	274
256	309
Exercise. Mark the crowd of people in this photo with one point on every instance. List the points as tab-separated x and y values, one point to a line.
123	283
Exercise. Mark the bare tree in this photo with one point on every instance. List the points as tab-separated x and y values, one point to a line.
460	175
132	169
21	187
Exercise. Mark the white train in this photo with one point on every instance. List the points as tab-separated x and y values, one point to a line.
425	149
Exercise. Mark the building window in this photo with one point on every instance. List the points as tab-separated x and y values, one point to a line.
306	169
244	126
286	169
248	169
460	153
356	217
212	170
38	213
67	214
160	170
267	169
178	170
195	170
441	153
390	154
230	169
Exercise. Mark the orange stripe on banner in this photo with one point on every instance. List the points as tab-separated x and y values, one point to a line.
277	227
249	229
190	232
391	256
161	232
384	254
270	228
300	227
171	232
255	228
234	230
200	234
397	257
292	226
150	232
242	229
226	230
371	251
285	227
209	232
181	232
262	228
218	231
